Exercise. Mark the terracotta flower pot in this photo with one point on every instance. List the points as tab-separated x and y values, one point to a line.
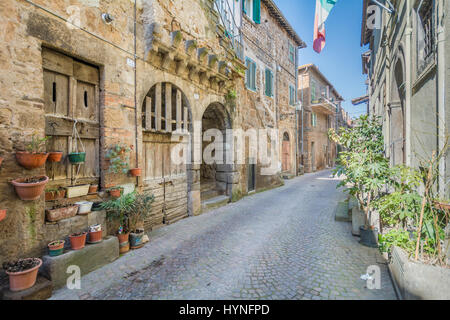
115	193
31	160
93	189
1	160
55	215
137	172
77	242
19	281
2	214
30	191
55	195
124	247
56	248
55	156
95	237
123	237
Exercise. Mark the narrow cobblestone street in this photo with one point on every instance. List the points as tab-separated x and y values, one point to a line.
280	244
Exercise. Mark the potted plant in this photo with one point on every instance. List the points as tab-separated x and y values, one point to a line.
60	212
93	189
115	192
117	210
77	157
118	157
139	210
364	168
95	234
29	189
55	156
78	240
84	207
56	248
33	157
22	273
52	194
136	172
2	214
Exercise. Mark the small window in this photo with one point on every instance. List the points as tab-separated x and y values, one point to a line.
86	99
292	95
250	74
313	120
313	91
291	53
252	8
269	83
54	92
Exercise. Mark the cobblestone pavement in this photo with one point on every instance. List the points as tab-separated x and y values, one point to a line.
280	244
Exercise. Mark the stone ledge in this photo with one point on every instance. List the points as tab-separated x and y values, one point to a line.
88	259
418	281
42	290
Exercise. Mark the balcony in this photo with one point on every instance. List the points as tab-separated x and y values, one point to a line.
321	105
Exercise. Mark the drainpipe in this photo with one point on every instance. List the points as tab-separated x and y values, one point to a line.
408	87
296	111
441	123
303	113
135	85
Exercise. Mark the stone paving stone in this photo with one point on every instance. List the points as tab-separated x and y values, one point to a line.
281	244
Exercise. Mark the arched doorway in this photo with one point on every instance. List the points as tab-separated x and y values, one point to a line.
286	153
166	131
397	116
215	173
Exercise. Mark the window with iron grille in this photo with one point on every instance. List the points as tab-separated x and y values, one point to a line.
425	34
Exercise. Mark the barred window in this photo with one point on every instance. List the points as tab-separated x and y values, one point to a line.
425	34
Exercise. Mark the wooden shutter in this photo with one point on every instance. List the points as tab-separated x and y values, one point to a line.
257	11
71	92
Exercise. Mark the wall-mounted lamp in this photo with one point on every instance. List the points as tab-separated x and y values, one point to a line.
107	18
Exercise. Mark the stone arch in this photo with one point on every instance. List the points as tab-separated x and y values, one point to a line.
216	175
397	111
166	121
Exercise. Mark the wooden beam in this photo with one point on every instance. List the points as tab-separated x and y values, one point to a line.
158	106
168	107
179	106
148	113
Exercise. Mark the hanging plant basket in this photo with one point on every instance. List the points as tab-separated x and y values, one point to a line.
2	214
29	189
77	157
137	172
55	156
31	160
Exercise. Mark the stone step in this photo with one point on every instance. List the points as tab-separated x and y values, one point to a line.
42	290
206	195
88	259
215	203
342	212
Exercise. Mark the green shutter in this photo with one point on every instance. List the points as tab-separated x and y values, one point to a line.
268	83
257	11
254	76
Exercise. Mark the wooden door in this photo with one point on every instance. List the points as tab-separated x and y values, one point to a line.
71	96
286	156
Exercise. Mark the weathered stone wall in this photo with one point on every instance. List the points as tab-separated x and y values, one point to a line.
267	44
110	47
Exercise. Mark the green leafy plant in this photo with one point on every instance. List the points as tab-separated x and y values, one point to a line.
362	164
117	209
396	237
118	156
37	144
140	209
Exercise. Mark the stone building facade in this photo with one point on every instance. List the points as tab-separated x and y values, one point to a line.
408	76
152	75
321	112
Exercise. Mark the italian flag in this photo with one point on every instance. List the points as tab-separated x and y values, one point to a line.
323	8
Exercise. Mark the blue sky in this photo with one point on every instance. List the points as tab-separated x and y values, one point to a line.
340	61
